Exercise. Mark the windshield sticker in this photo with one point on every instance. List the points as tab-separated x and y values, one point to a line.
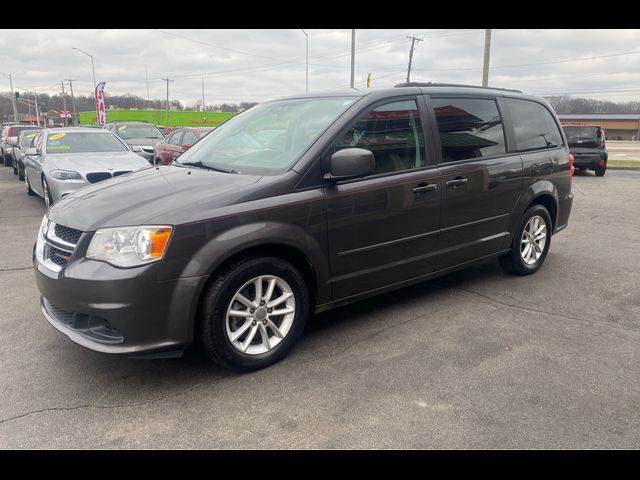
53	142
57	136
121	127
59	147
30	135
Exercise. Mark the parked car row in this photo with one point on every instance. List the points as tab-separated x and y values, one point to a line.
54	162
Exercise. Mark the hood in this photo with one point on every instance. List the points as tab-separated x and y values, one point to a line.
95	161
154	195
142	141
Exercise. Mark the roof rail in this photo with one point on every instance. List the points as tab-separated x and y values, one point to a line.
431	84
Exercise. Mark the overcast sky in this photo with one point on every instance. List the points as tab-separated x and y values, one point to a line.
254	65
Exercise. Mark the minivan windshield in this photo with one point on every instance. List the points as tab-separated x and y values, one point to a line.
268	138
83	142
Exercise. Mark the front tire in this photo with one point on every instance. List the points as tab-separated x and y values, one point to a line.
30	192
530	243
46	193
253	314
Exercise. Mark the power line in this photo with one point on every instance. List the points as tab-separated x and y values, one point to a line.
533	64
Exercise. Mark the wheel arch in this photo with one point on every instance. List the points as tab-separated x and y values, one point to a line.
543	193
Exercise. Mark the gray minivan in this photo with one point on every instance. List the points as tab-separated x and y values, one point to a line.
238	242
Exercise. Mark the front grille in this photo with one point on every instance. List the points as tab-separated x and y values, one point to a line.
115	174
57	256
69	235
59	244
98	176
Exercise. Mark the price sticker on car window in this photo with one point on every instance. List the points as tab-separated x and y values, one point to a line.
30	135
56	136
121	127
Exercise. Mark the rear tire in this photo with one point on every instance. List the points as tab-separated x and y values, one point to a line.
221	334
7	160
14	164
601	170
528	254
20	173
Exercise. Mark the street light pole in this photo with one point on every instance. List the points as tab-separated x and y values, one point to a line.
307	76
353	56
93	69
13	97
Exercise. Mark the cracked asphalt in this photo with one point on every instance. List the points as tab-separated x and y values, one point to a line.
475	359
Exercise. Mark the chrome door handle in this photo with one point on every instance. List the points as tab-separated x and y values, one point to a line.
456	182
425	188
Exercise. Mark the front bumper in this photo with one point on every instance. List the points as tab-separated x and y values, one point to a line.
60	188
117	310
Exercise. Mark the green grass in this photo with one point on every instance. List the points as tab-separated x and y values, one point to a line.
158	117
624	163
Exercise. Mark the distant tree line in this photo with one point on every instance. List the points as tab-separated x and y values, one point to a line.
85	103
566	105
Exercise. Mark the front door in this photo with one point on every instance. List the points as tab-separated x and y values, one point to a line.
383	229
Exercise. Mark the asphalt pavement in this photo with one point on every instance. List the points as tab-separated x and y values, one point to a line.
475	359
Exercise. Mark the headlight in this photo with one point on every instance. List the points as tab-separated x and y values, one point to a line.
129	246
44	226
66	175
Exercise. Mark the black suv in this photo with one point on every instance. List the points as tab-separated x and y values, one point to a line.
298	206
140	136
588	147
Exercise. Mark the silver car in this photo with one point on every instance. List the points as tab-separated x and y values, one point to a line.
25	139
64	160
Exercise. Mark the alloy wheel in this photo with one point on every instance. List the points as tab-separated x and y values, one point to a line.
260	314
534	239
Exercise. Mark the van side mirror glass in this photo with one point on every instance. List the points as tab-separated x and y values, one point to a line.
351	163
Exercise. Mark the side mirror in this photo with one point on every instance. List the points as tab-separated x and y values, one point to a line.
351	163
136	148
32	152
187	146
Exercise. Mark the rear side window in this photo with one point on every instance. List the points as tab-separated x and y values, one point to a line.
469	128
393	132
534	125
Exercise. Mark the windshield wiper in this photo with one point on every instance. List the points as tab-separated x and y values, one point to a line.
199	164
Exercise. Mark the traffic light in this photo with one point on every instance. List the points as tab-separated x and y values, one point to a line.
17	95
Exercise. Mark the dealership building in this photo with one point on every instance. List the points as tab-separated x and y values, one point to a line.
624	125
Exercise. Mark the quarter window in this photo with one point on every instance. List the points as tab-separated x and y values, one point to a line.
189	138
469	128
534	125
393	132
175	139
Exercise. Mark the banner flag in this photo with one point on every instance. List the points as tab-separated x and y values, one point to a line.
101	109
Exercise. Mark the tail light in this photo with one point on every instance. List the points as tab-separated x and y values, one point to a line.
6	140
572	169
602	138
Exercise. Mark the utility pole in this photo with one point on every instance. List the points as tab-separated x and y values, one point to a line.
13	97
64	106
487	51
35	101
73	103
353	56
167	118
203	94
147	75
413	41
